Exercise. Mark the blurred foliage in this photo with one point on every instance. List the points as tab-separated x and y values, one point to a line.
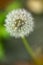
3	32
2	51
14	5
2	17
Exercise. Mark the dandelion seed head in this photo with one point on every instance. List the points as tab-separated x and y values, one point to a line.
19	23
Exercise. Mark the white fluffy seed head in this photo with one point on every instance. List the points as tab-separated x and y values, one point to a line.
19	23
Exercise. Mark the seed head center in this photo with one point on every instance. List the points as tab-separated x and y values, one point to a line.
19	23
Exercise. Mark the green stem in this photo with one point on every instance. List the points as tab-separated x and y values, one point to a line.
27	46
29	49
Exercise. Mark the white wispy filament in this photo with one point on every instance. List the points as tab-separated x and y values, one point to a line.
19	23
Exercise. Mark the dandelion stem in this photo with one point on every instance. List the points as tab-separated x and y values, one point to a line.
29	50
27	46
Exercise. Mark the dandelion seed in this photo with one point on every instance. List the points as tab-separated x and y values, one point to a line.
19	23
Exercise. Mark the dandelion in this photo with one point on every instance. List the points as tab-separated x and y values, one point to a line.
19	23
